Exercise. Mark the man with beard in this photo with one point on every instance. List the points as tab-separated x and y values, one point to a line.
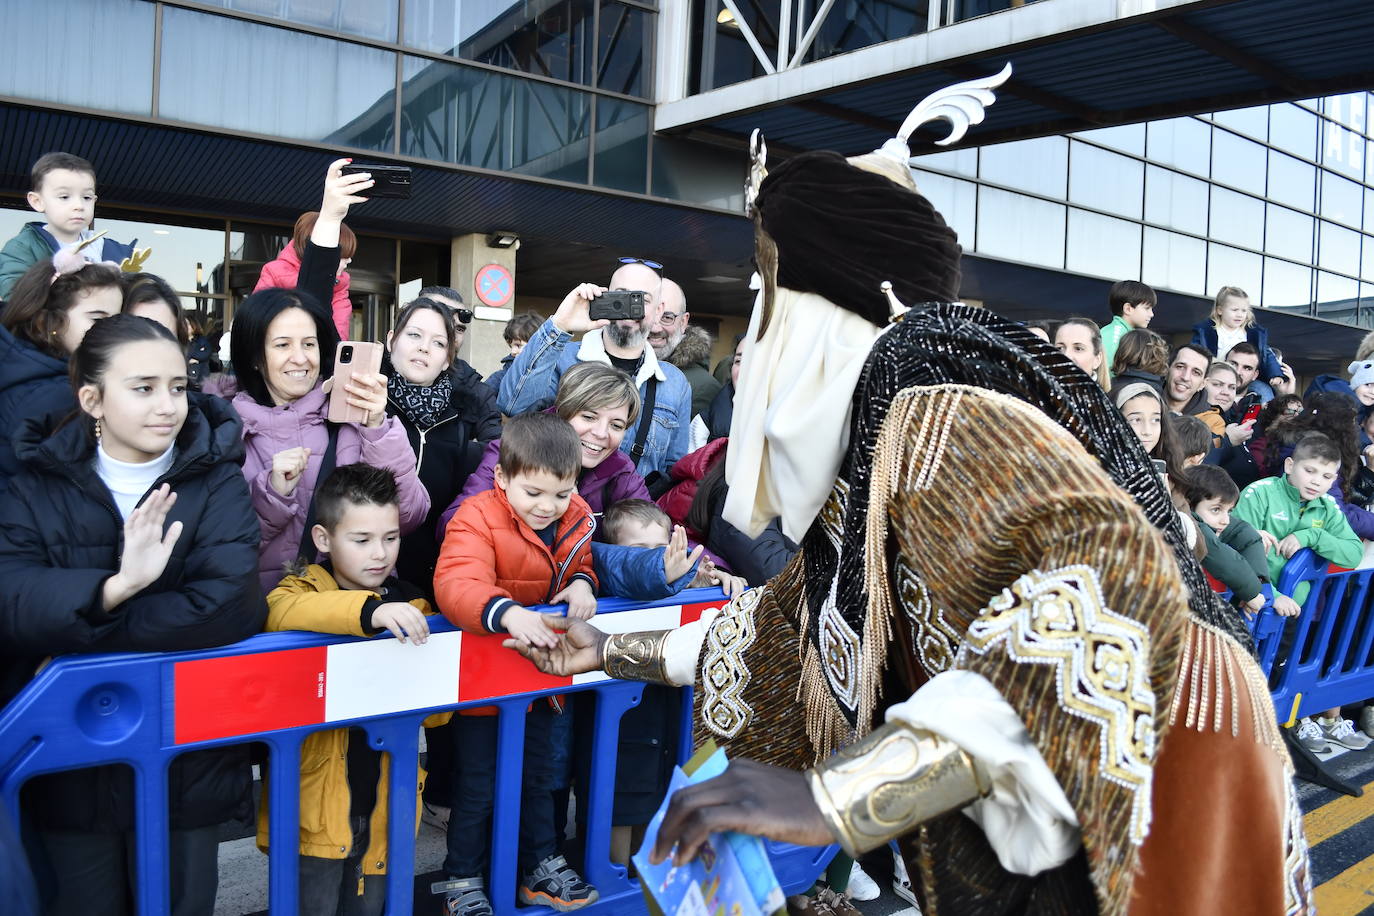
659	435
995	645
676	341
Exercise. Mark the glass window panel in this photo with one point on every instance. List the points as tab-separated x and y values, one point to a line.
1341	200
1367	257
1337	297
958	161
1348	109
1253	122
1184	143
534	36
1231	267
1020	228
1343	150
697	174
1175	200
1039	166
956	200
233	73
1288	233
860	23
86	33
625	37
1129	138
369	18
1287	286
1173	261
184	256
1238	162
1237	219
1103	246
1291	182
622	145
493	121
1366	319
1339	249
1293	129
1105	180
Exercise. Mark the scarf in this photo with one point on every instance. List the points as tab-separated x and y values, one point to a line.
423	405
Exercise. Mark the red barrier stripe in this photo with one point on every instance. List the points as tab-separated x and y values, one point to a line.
244	694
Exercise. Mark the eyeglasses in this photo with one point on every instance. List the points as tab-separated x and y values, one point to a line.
669	318
654	264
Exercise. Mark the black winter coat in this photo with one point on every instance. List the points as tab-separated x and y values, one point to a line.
445	453
61	536
32	384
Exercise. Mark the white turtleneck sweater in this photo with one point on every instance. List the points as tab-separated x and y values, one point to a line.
128	482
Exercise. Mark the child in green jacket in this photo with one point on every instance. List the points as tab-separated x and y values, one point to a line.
1295	511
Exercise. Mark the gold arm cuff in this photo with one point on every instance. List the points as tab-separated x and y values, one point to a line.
636	656
891	782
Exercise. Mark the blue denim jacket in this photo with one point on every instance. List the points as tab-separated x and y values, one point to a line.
531	382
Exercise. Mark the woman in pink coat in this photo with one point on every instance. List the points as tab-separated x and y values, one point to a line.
282	347
284	271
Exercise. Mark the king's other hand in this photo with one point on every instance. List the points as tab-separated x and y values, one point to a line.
577	651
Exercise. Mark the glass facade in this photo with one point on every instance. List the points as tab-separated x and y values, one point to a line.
534	87
1278	200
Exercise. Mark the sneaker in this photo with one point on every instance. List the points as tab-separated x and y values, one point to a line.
1367	721
839	904
435	816
861	886
901	881
1341	731
1311	736
553	883
463	897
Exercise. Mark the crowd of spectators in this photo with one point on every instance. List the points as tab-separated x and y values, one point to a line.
156	498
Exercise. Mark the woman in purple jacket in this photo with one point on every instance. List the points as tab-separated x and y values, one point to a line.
600	402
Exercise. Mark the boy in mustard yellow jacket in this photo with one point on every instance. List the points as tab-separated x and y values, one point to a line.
343	794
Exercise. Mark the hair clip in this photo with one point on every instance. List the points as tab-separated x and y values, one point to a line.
134	262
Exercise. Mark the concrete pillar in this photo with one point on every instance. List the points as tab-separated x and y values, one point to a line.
484	345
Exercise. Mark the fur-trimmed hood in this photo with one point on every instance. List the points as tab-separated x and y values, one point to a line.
693	350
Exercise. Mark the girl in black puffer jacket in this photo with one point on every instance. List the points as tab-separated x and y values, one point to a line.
86	571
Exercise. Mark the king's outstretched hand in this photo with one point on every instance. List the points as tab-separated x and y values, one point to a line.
577	651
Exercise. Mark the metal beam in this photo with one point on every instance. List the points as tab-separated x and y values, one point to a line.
1185	31
1023	90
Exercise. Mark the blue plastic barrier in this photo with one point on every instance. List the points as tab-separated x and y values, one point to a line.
1331	662
145	709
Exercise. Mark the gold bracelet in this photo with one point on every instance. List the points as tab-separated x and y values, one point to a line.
890	783
636	656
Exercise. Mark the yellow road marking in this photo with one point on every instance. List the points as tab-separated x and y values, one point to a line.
1338	816
1350	892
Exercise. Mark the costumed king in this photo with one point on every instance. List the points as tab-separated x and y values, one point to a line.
995	645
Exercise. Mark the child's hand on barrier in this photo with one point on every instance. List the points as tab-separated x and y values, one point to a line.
1288	546
1270	542
577	651
529	627
146	548
677	562
1286	607
1255	604
403	619
579	598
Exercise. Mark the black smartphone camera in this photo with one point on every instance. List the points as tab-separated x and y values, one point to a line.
388	180
617	304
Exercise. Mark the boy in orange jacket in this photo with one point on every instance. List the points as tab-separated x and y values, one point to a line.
525	541
343	847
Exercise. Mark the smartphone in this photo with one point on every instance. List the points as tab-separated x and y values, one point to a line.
363	357
389	180
616	304
1252	413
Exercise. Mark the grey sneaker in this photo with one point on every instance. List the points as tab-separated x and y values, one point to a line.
554	883
1367	721
1342	732
1311	736
463	897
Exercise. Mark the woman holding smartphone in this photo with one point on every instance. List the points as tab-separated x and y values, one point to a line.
282	347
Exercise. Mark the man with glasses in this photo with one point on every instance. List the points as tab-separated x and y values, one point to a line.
676	341
659	435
